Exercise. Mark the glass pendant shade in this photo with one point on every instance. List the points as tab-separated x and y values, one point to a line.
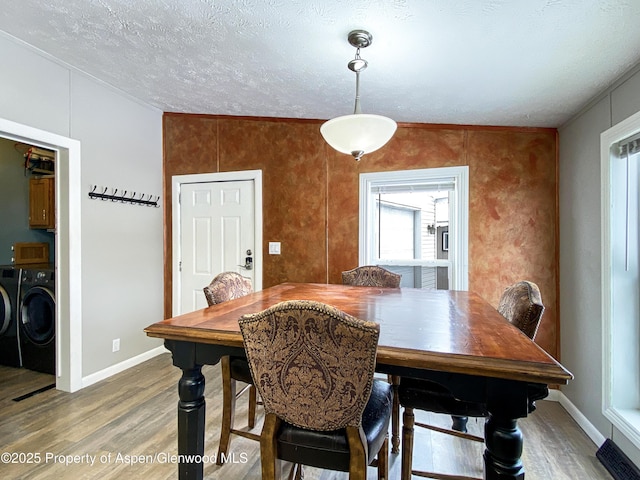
359	133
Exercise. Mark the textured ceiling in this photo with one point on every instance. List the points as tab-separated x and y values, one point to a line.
488	62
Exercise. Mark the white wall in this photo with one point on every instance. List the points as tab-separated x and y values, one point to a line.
122	250
35	90
119	247
580	247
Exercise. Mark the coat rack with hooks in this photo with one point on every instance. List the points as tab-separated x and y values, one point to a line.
124	197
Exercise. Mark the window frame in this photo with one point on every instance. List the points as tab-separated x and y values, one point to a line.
458	220
625	418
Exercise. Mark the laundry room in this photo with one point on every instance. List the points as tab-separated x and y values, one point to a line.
27	269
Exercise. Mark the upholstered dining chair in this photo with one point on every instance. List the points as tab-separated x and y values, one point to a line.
521	304
375	276
313	367
228	286
371	276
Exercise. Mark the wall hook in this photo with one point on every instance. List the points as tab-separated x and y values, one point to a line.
125	197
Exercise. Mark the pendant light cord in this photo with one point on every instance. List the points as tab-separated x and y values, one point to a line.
357	109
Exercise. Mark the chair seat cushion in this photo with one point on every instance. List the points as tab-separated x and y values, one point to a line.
330	449
433	397
240	369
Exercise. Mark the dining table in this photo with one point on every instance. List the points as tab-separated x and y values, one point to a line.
454	338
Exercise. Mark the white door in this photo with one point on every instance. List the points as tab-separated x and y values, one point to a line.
217	234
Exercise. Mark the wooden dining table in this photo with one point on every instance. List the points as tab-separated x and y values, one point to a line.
455	338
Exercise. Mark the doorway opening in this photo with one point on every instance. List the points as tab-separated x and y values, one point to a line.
68	273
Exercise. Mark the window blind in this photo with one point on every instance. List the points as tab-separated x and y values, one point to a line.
629	146
424	187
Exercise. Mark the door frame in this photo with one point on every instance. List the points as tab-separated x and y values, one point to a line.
176	247
68	247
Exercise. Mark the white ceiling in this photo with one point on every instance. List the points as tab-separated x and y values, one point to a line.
483	62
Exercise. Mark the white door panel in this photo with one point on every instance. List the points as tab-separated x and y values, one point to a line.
217	230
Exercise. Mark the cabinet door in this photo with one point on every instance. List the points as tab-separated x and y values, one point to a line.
42	203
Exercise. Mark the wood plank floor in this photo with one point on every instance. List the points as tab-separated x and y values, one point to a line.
132	417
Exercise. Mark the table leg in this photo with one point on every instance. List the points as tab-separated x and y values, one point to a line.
191	417
395	414
503	442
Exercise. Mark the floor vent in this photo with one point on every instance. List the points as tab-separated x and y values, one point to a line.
44	389
616	462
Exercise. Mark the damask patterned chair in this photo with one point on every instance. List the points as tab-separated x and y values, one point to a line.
371	276
313	366
521	304
228	286
374	276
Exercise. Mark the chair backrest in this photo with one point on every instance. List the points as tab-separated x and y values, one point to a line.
521	304
312	364
371	276
227	286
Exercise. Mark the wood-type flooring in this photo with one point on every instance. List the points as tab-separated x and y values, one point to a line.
125	428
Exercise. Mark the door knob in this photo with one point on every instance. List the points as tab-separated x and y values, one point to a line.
248	262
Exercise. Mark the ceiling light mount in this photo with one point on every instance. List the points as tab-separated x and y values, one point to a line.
359	133
360	38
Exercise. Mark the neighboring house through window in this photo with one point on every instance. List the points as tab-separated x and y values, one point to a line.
414	222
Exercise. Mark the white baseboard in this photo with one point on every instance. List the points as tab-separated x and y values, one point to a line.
122	366
591	431
554	395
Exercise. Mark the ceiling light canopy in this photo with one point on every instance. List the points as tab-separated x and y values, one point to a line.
359	133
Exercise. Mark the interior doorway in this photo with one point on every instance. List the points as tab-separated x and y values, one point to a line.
68	274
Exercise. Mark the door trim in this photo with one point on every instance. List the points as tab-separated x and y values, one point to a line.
176	183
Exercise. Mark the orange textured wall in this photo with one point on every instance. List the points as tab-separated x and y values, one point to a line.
310	196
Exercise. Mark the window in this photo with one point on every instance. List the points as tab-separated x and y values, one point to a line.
620	147
414	222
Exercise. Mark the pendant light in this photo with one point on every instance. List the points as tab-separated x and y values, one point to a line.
359	133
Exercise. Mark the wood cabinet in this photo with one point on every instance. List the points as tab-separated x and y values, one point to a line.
42	203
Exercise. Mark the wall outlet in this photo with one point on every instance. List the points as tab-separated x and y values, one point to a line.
116	345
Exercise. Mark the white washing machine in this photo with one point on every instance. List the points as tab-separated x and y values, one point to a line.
37	318
9	331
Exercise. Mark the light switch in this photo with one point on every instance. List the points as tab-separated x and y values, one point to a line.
274	248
